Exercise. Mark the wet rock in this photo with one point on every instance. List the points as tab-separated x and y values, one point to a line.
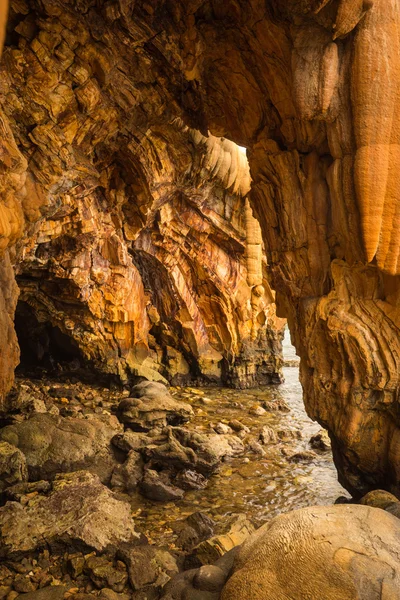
336	553
305	456
321	441
158	487
268	435
238	426
276	405
210	550
190	480
209	578
195	583
194	529
108	594
394	509
128	475
13	467
75	565
222	428
149	566
79	512
378	499
130	440
151	405
255	447
257	411
287	435
186	449
104	574
22	583
19	490
51	592
63	444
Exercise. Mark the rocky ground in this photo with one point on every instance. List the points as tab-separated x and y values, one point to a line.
80	464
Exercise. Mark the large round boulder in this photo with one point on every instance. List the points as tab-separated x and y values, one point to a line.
343	552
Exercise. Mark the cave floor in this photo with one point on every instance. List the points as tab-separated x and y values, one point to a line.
277	471
261	483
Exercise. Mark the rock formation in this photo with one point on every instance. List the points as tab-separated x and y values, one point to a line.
130	227
103	181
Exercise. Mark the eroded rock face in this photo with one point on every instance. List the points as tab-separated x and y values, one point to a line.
92	100
351	555
54	444
135	226
79	512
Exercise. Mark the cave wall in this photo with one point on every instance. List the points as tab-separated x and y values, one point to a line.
310	87
131	233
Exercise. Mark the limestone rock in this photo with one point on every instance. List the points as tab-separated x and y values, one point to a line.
13	469
189	450
158	487
51	592
342	552
148	566
127	227
79	512
153	407
128	475
61	444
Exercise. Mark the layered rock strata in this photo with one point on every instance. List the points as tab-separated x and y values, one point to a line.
310	88
130	227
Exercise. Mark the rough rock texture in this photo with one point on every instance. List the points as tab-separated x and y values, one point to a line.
152	406
79	512
60	444
13	469
95	153
338	553
135	229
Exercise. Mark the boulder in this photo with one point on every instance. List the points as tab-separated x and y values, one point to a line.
199	452
130	440
13	469
204	583
128	475
51	592
151	405
54	444
321	441
196	528
79	512
213	548
158	487
343	552
379	499
105	575
149	566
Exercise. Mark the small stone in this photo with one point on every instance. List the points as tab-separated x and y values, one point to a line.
321	441
222	429
4	591
75	566
209	578
22	584
305	456
238	426
256	447
157	486
257	411
268	435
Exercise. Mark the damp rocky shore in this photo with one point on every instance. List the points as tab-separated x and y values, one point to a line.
113	492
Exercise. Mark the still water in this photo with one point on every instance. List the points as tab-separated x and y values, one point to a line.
258	486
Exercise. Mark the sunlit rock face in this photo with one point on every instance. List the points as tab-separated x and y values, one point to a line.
133	236
92	93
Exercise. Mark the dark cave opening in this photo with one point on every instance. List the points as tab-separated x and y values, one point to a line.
42	345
